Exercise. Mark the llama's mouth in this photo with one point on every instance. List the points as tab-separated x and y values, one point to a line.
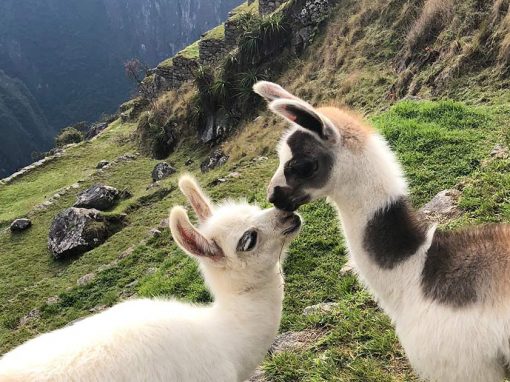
295	225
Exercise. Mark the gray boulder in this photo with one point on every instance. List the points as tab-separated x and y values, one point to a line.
98	196
161	171
78	230
19	225
102	164
218	158
443	206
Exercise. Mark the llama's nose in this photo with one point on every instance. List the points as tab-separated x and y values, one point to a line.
280	197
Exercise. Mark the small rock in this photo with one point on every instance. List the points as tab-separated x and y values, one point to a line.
189	162
154	232
85	279
500	152
234	174
132	284
218	158
153	185
323	307
258	376
347	268
151	270
126	157
443	206
164	223
98	308
32	315
75	186
98	196
215	182
161	171
294	340
102	164
19	225
53	300
260	159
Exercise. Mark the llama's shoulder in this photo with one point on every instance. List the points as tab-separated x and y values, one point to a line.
468	266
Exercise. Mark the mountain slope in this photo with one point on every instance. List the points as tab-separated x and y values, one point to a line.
23	127
70	54
354	58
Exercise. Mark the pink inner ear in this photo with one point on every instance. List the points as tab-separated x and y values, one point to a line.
197	245
290	116
201	208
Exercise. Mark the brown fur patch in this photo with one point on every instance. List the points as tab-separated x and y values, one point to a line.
353	129
469	266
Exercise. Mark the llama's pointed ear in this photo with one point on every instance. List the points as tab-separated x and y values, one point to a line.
271	91
189	239
198	200
304	115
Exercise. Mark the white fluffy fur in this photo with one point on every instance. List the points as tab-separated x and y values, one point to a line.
443	343
167	340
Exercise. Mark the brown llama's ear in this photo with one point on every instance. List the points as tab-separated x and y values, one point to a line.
271	91
196	197
304	115
189	239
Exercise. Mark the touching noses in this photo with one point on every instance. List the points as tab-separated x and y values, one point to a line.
281	198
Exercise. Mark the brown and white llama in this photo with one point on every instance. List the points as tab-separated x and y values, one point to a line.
447	292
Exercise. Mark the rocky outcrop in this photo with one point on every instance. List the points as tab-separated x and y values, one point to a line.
78	230
95	130
442	207
161	171
269	6
218	158
98	196
211	51
19	225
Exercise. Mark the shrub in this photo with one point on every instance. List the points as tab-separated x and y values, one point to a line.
68	135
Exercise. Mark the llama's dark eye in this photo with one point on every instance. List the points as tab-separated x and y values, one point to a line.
248	241
304	168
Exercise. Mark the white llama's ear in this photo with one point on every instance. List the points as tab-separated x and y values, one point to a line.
188	237
198	200
271	91
304	115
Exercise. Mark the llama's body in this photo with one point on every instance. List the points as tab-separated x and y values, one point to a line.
166	340
153	340
447	293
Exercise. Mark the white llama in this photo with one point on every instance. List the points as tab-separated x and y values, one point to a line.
447	292
239	247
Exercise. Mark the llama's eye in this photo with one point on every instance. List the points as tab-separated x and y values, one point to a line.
305	168
248	241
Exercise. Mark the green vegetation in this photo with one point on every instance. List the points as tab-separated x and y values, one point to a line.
441	144
67	136
190	52
217	33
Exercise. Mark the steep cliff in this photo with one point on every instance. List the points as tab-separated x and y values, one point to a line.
69	53
23	127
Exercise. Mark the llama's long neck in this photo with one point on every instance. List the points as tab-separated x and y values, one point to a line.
383	235
251	317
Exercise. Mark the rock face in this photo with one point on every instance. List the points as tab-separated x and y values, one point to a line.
218	158
102	164
161	171
95	129
77	230
98	196
19	225
443	206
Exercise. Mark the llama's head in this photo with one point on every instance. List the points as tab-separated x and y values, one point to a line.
237	244
325	148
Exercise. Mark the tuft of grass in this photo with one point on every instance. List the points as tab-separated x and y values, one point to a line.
429	23
191	52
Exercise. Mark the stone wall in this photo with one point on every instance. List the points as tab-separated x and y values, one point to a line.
171	77
211	51
268	6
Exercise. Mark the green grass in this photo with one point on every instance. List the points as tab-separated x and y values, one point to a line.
439	143
217	33
190	52
167	64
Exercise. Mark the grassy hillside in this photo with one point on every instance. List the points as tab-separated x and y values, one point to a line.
441	143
